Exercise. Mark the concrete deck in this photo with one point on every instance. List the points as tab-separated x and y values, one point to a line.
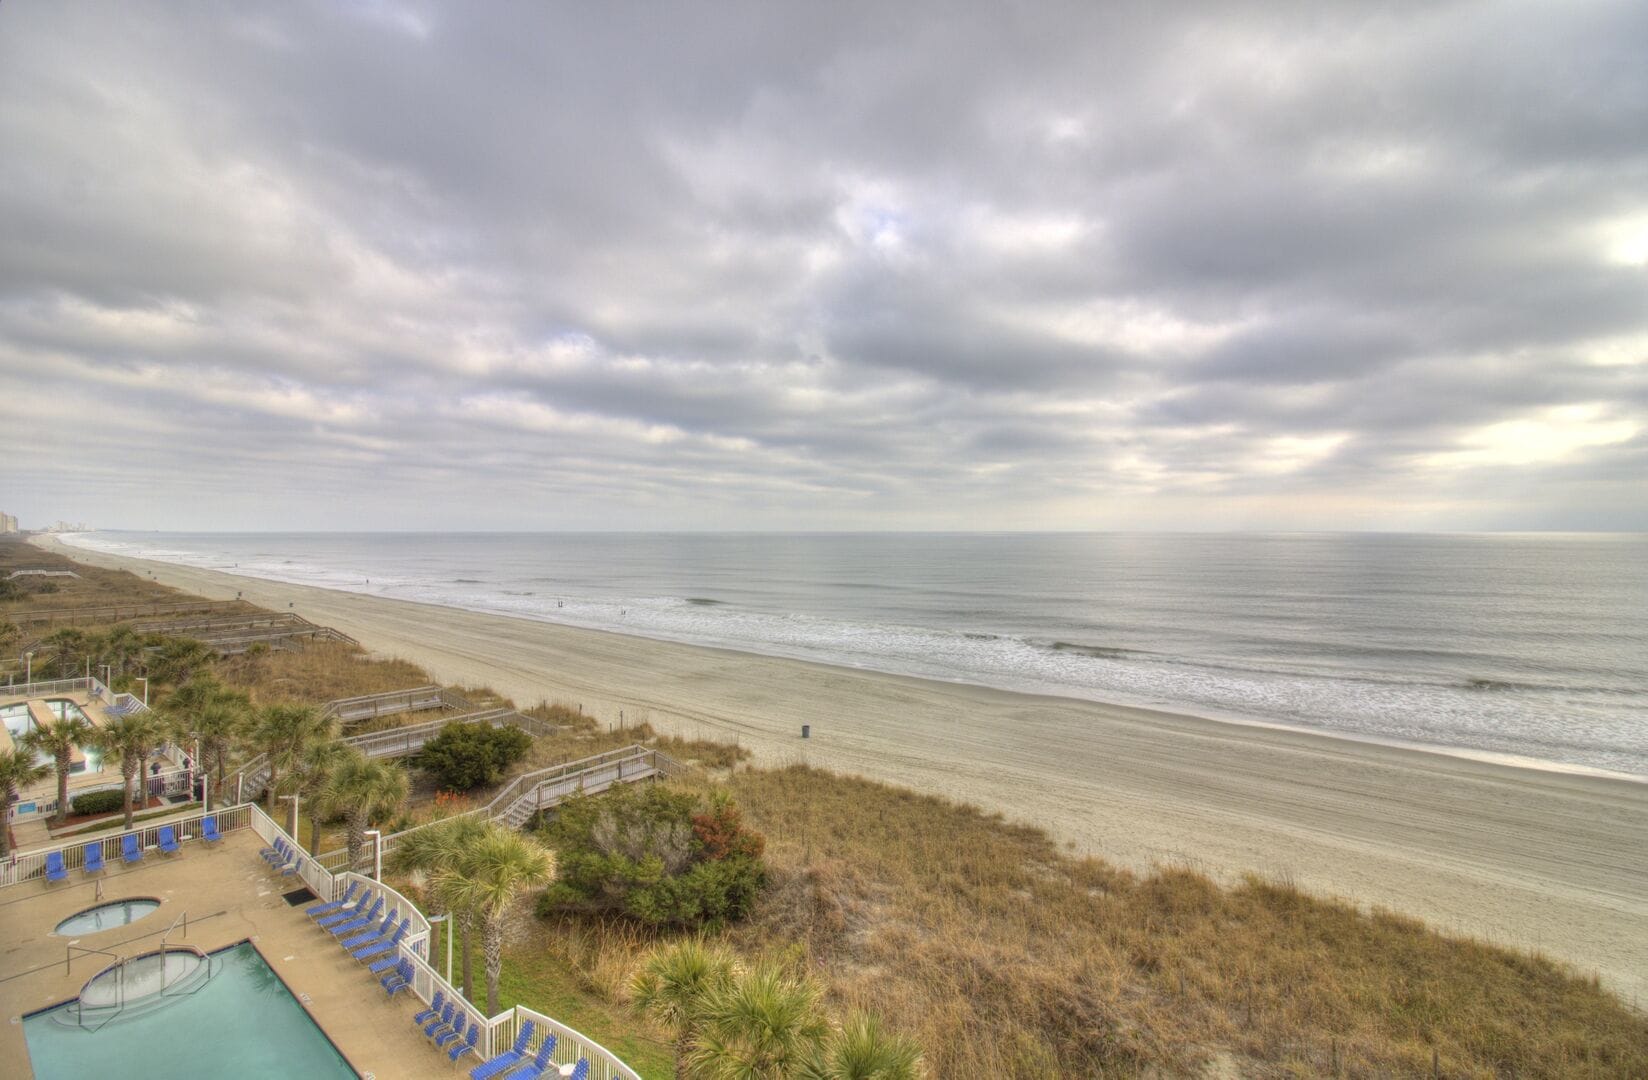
231	896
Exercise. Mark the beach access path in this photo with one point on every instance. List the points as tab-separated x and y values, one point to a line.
1525	857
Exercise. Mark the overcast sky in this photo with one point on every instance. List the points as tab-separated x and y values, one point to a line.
824	265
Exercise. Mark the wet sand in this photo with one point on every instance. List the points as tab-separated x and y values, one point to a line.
1525	857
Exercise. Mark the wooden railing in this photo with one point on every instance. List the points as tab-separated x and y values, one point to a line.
388	703
114	613
546	788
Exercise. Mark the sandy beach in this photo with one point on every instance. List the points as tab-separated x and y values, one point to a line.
1525	857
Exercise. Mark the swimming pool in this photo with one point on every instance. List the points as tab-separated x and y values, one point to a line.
242	1022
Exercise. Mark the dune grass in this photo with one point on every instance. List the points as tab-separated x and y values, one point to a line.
319	672
1006	957
95	587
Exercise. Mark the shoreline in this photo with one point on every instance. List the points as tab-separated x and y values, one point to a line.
1541	858
1469	753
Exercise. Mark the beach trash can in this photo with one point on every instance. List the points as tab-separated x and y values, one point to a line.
806	731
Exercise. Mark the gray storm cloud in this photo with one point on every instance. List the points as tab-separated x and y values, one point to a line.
376	265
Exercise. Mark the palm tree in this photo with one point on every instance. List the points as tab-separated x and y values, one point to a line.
864	1050
363	789
179	659
764	1026
672	986
17	771
311	775
206	714
119	647
438	847
487	881
60	739
131	739
70	643
284	732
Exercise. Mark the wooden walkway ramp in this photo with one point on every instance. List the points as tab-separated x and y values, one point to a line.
544	789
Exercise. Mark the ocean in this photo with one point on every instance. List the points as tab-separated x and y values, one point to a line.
1529	647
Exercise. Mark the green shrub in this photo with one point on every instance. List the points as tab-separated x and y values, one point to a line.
656	855
465	756
98	802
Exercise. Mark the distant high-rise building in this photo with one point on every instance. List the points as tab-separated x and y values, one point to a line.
8	523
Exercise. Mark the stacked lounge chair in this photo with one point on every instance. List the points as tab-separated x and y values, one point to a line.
374	950
344	929
467	1046
345	901
510	1058
397	980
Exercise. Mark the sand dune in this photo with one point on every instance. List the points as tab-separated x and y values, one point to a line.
1524	857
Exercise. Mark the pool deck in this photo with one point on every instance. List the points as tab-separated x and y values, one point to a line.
230	896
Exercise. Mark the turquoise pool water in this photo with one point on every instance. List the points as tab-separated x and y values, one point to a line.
108	916
242	1022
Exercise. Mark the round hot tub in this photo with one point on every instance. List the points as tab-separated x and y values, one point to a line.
107	916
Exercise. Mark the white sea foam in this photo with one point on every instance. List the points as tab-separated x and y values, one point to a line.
1407	642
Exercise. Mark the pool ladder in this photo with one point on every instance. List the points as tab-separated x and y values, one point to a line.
119	967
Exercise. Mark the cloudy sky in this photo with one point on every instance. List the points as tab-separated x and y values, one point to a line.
756	265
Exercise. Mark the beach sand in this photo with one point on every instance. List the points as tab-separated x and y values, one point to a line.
1524	857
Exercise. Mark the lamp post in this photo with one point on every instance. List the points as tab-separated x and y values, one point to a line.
377	853
446	932
28	676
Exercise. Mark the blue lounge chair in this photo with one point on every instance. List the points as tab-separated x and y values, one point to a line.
274	853
539	1064
208	830
343	915
580	1071
355	941
442	1022
343	930
383	945
509	1058
397	980
93	863
347	900
452	1034
433	1011
168	840
393	960
55	870
130	852
468	1045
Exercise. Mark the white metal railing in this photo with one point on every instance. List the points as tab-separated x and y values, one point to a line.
166	784
314	875
417	931
570	1045
22	866
62	686
498	1032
